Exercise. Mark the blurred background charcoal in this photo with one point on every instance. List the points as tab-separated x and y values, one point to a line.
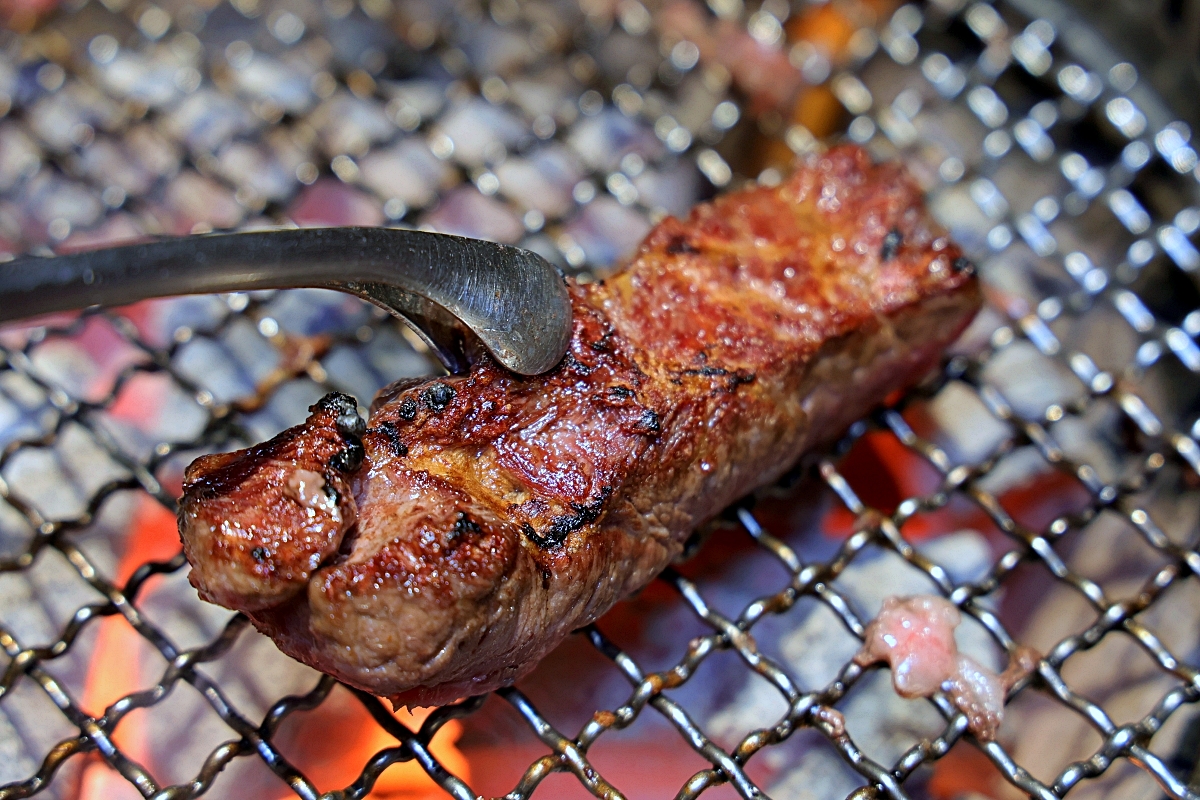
1047	479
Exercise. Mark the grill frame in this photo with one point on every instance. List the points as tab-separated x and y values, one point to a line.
876	126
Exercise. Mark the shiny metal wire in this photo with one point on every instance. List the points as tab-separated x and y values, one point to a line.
1031	129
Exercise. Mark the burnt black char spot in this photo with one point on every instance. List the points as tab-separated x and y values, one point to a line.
535	537
680	244
733	378
574	364
407	410
351	424
259	554
891	245
963	264
389	430
348	459
562	526
601	345
338	403
707	372
464	525
437	396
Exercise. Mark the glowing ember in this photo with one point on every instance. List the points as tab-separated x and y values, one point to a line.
332	742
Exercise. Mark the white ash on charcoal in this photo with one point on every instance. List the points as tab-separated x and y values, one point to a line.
1030	381
195	200
967	431
207	119
19	155
602	234
58	480
543	180
673	189
30	726
467	212
1031	384
174	738
24	410
1117	674
54	116
259	172
474	132
329	203
407	172
605	139
113	164
283	83
414	100
48	197
496	50
1093	439
35	606
349	124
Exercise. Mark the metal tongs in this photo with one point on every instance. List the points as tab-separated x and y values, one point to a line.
443	286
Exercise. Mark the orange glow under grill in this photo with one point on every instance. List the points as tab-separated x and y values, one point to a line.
330	744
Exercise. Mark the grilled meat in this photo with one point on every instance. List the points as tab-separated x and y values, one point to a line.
441	550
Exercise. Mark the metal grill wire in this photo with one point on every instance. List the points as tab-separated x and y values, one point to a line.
1025	150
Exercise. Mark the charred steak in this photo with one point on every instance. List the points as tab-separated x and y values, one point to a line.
440	549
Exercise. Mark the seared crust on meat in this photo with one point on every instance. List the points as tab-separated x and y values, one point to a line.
480	518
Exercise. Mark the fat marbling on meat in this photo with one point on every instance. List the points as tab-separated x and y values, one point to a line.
441	549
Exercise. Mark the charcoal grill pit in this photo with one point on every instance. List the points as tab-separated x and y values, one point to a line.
1067	178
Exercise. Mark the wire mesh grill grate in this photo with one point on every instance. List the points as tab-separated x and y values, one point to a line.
1072	190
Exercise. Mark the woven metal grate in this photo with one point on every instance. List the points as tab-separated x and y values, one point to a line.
569	128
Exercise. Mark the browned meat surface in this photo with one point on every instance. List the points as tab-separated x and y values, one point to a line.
442	549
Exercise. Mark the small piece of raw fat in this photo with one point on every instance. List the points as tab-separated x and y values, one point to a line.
308	489
915	636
